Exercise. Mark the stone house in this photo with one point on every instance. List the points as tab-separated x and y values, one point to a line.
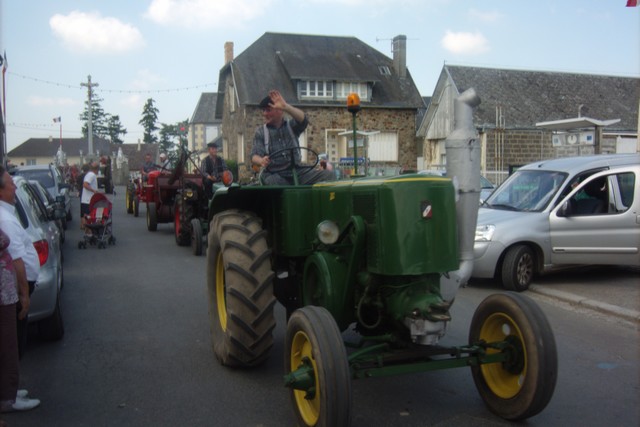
316	74
533	115
204	127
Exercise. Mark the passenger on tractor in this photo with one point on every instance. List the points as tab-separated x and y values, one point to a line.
212	169
280	137
165	163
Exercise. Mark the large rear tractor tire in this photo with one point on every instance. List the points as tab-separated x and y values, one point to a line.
314	347
240	289
152	217
518	268
522	386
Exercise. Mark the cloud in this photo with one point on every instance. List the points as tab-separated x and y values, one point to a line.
465	43
486	17
146	79
204	14
92	33
40	101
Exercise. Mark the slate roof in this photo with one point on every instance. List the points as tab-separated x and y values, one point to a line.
205	111
44	147
539	96
278	60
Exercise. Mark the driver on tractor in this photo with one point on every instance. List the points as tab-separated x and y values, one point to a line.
213	168
276	147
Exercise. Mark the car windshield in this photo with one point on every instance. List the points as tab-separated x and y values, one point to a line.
44	177
527	190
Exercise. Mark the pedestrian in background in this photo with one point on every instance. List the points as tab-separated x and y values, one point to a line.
89	188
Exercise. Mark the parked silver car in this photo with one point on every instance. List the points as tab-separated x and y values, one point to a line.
568	211
51	179
41	226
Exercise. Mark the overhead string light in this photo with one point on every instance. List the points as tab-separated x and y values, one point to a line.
181	89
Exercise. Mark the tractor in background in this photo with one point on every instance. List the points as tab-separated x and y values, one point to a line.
383	257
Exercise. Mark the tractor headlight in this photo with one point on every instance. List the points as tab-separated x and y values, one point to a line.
328	232
484	233
188	194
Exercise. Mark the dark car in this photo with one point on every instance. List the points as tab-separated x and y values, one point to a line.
50	204
51	179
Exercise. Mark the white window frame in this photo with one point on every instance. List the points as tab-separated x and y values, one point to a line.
343	89
315	89
383	147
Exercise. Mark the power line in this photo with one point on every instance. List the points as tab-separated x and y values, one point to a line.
148	91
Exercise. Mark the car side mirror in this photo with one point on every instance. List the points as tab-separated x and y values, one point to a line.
564	210
60	199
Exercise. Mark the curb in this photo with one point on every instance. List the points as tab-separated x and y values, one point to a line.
602	307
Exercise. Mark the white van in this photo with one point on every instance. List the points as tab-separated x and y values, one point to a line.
568	211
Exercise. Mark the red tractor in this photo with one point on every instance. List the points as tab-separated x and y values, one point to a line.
174	196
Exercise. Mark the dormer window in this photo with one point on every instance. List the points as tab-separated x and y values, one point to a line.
384	70
315	89
331	90
343	89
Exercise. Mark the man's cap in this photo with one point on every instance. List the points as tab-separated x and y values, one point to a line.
212	144
265	102
162	155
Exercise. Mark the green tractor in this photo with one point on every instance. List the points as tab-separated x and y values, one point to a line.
381	256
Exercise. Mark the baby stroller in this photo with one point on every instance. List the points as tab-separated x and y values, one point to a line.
98	223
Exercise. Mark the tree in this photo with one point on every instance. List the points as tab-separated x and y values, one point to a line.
168	134
99	122
115	129
148	122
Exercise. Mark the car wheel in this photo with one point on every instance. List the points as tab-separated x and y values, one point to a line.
518	268
52	328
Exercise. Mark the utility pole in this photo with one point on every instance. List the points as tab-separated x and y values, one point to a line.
89	87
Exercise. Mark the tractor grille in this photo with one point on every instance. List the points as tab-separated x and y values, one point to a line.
366	206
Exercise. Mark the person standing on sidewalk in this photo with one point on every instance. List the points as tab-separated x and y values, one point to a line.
17	269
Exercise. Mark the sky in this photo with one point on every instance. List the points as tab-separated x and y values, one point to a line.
172	50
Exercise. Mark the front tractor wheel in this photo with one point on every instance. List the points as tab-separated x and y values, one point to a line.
152	217
522	385
317	369
183	214
240	289
196	237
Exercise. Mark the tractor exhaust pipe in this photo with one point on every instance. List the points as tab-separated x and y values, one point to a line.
463	165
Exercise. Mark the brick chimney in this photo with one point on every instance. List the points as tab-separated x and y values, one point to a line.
228	52
400	55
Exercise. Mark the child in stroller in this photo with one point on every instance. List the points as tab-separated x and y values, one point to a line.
98	224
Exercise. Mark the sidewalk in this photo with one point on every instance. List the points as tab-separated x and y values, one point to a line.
611	290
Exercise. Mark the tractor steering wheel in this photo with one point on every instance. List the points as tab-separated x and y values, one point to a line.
291	164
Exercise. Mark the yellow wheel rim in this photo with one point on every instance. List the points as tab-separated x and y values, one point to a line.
301	349
502	383
220	292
